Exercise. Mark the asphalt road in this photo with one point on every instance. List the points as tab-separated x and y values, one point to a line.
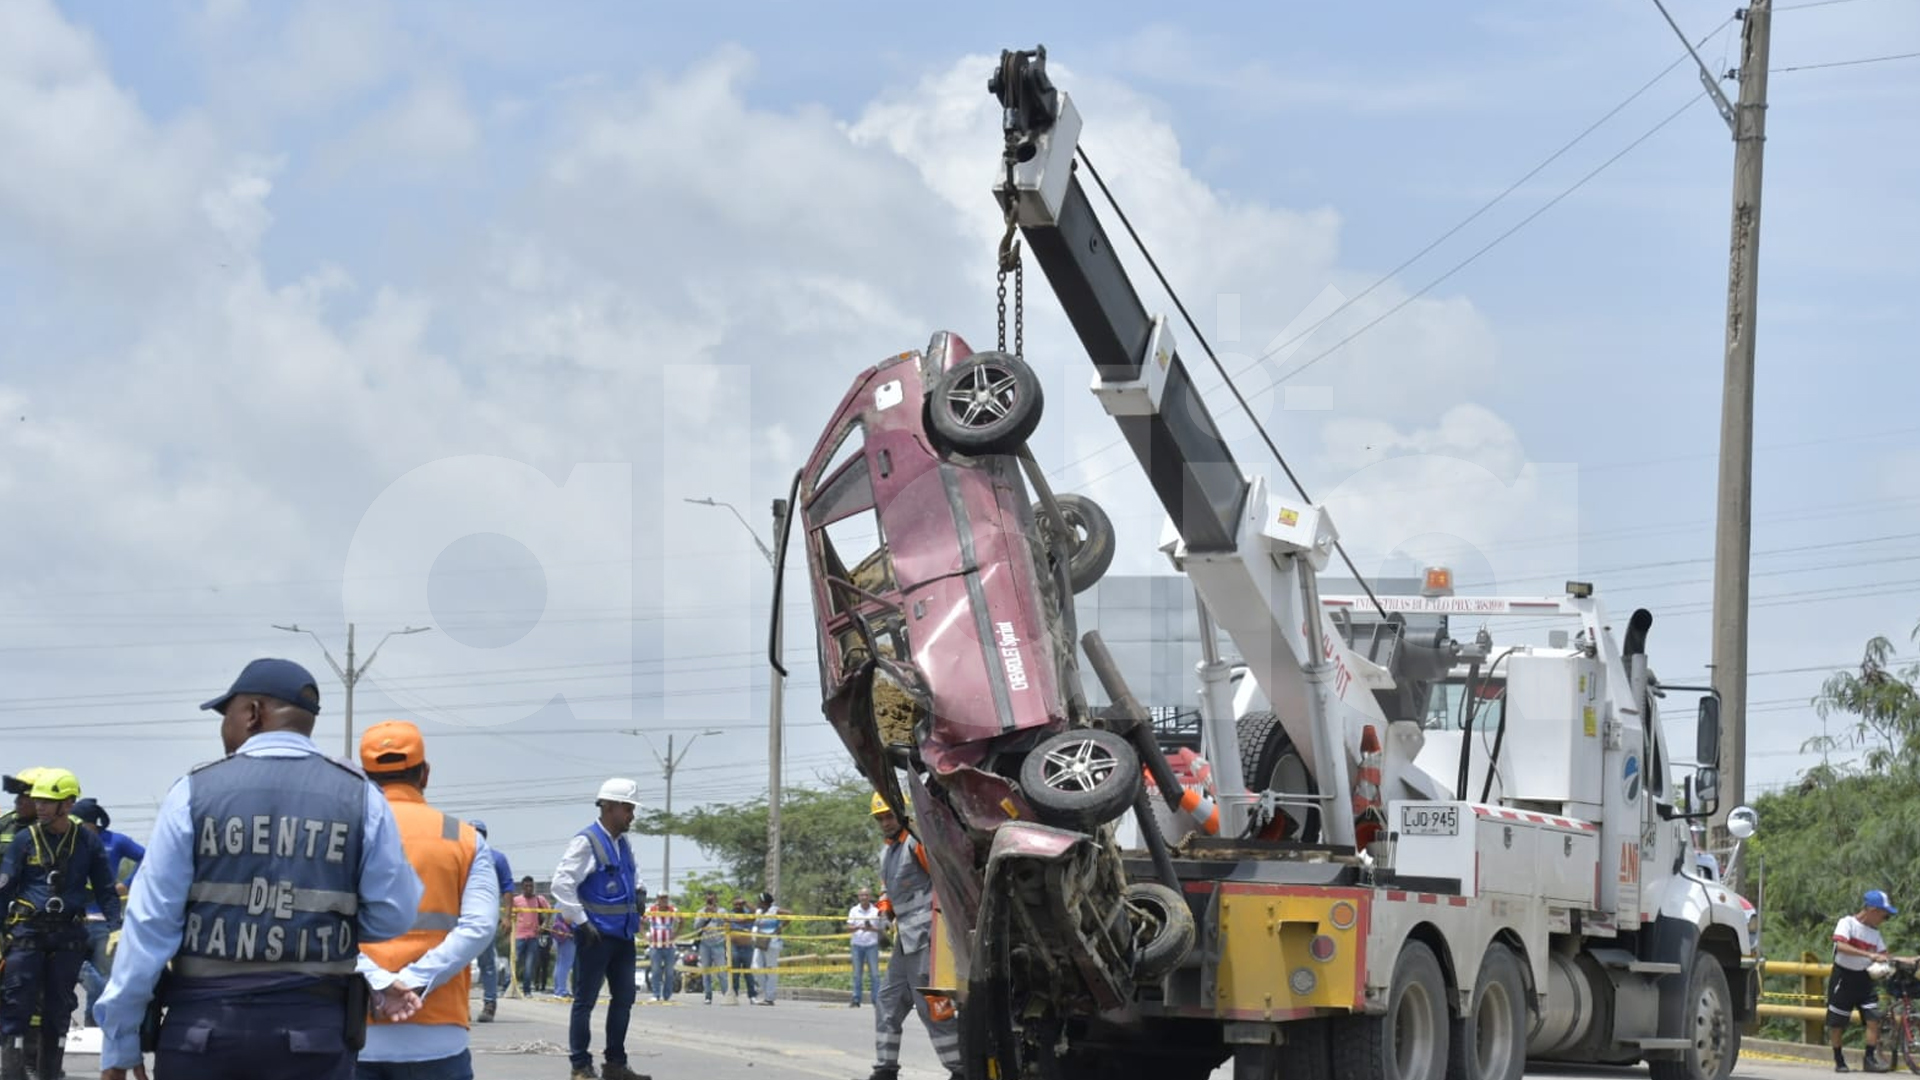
686	1039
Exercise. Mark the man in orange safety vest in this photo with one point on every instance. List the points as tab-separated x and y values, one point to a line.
420	979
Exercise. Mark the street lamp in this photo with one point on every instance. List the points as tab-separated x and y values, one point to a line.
669	765
350	675
776	684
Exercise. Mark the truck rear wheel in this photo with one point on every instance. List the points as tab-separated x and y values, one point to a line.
1410	1041
1490	1041
1707	1021
1304	1056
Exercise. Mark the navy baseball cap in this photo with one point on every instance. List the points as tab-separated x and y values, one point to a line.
89	809
281	679
1876	898
478	826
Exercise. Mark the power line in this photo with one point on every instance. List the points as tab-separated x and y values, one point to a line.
1436	242
1846	63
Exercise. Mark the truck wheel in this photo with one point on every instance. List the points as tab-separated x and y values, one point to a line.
1410	1041
1490	1041
1270	762
986	404
1707	1021
1089	539
1163	930
1081	779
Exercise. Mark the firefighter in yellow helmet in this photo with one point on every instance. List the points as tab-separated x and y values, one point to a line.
44	878
20	786
909	901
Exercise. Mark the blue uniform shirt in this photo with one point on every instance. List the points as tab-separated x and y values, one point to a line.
124	855
79	857
502	870
389	897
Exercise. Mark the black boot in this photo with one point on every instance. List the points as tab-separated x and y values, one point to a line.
53	1053
13	1061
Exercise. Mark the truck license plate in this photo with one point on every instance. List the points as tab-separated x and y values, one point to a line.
1430	821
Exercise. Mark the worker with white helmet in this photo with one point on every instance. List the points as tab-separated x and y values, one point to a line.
597	890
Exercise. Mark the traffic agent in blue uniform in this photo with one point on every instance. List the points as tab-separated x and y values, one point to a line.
266	871
44	882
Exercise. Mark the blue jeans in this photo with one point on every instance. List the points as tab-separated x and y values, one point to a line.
457	1067
660	973
489	975
742	960
526	962
610	960
868	957
713	966
563	966
98	967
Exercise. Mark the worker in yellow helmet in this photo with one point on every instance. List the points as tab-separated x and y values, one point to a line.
20	786
44	878
909	888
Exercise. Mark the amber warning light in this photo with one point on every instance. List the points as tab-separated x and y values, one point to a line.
1439	582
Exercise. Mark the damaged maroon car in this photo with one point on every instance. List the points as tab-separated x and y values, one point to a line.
943	571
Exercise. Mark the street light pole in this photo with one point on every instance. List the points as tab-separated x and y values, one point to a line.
350	675
668	766
776	706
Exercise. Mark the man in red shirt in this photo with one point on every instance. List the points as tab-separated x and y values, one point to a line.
528	920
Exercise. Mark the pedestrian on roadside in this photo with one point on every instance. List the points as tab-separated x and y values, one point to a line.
420	1032
740	934
711	925
268	978
909	889
597	888
766	946
1856	945
663	926
866	921
529	921
490	974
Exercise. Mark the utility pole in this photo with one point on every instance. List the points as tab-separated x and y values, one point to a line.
350	675
776	712
1733	533
668	766
1733	536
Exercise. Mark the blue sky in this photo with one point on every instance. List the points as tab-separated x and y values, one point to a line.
262	263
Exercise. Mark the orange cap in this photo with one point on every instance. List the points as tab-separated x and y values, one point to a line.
391	746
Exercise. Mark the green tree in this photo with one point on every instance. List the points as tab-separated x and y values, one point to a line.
829	846
1883	704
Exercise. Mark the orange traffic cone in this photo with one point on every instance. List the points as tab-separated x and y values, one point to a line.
1368	817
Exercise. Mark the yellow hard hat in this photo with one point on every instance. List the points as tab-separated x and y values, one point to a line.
880	804
56	785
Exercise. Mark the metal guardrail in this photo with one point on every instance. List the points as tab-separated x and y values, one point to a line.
1808	1005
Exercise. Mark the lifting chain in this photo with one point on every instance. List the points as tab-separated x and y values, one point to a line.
1010	260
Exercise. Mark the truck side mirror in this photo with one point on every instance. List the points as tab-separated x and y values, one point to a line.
1705	797
1707	739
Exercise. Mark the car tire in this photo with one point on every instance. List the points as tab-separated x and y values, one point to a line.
1090	540
1081	779
1163	927
986	404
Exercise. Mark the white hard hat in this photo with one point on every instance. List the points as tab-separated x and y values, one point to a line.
620	789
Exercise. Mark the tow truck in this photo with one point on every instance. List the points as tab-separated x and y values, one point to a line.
1408	856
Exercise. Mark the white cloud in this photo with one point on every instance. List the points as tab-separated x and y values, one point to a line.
430	127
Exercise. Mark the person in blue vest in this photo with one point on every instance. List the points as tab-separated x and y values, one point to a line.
489	962
44	882
597	889
124	854
265	872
